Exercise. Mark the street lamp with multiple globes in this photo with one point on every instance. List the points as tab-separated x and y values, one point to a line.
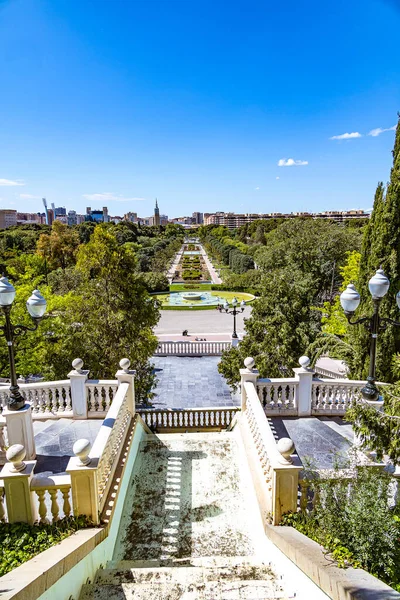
350	299
234	312
36	306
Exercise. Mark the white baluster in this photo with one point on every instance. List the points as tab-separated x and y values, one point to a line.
42	505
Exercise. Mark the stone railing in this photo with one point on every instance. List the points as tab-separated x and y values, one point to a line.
305	394
100	394
109	442
92	469
274	471
25	497
188	348
278	395
334	396
188	418
47	398
54	496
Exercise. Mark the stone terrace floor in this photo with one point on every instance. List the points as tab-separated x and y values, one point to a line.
191	382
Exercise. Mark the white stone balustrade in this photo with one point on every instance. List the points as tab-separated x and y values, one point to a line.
53	496
92	470
188	418
275	474
303	395
188	348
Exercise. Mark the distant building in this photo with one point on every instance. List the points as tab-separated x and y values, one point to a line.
197	218
234	220
50	216
60	211
8	218
72	220
156	220
28	218
131	216
62	219
97	216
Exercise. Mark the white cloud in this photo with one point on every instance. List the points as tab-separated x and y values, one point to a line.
107	196
28	197
277	177
290	162
9	182
346	136
379	130
257	188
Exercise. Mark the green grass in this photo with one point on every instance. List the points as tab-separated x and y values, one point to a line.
224	295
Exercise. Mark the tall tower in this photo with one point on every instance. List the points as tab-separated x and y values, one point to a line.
156	215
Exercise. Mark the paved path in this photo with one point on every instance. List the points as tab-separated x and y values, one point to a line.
172	269
190	382
199	322
211	270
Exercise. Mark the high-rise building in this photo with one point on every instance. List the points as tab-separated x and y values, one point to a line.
197	218
8	217
106	218
72	220
156	215
59	211
131	216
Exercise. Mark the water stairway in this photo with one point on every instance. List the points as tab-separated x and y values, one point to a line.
191	529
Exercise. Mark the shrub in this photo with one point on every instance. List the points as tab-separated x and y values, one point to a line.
20	542
355	521
192	274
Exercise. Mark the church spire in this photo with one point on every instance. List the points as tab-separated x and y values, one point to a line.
156	214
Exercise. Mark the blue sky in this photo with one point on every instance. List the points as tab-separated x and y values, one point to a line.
195	102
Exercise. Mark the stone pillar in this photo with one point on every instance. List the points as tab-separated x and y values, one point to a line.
247	374
78	379
83	472
17	476
285	481
20	429
304	376
124	375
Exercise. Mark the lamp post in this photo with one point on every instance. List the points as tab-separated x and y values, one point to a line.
234	312
350	299
36	306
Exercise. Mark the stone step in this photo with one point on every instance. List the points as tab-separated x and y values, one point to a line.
206	590
231	570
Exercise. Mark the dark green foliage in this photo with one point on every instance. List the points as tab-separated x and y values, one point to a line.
20	542
280	327
381	248
354	520
155	282
192	274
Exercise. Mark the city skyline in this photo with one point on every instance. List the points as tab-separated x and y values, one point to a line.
268	107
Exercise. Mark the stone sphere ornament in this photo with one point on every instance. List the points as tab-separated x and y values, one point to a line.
304	361
15	455
286	448
77	364
81	449
249	363
125	363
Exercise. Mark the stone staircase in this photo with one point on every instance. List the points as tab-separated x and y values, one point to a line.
191	528
231	579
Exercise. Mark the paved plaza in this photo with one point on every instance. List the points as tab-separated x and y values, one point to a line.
199	323
190	382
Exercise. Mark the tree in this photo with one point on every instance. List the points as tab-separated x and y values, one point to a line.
59	247
381	248
281	326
